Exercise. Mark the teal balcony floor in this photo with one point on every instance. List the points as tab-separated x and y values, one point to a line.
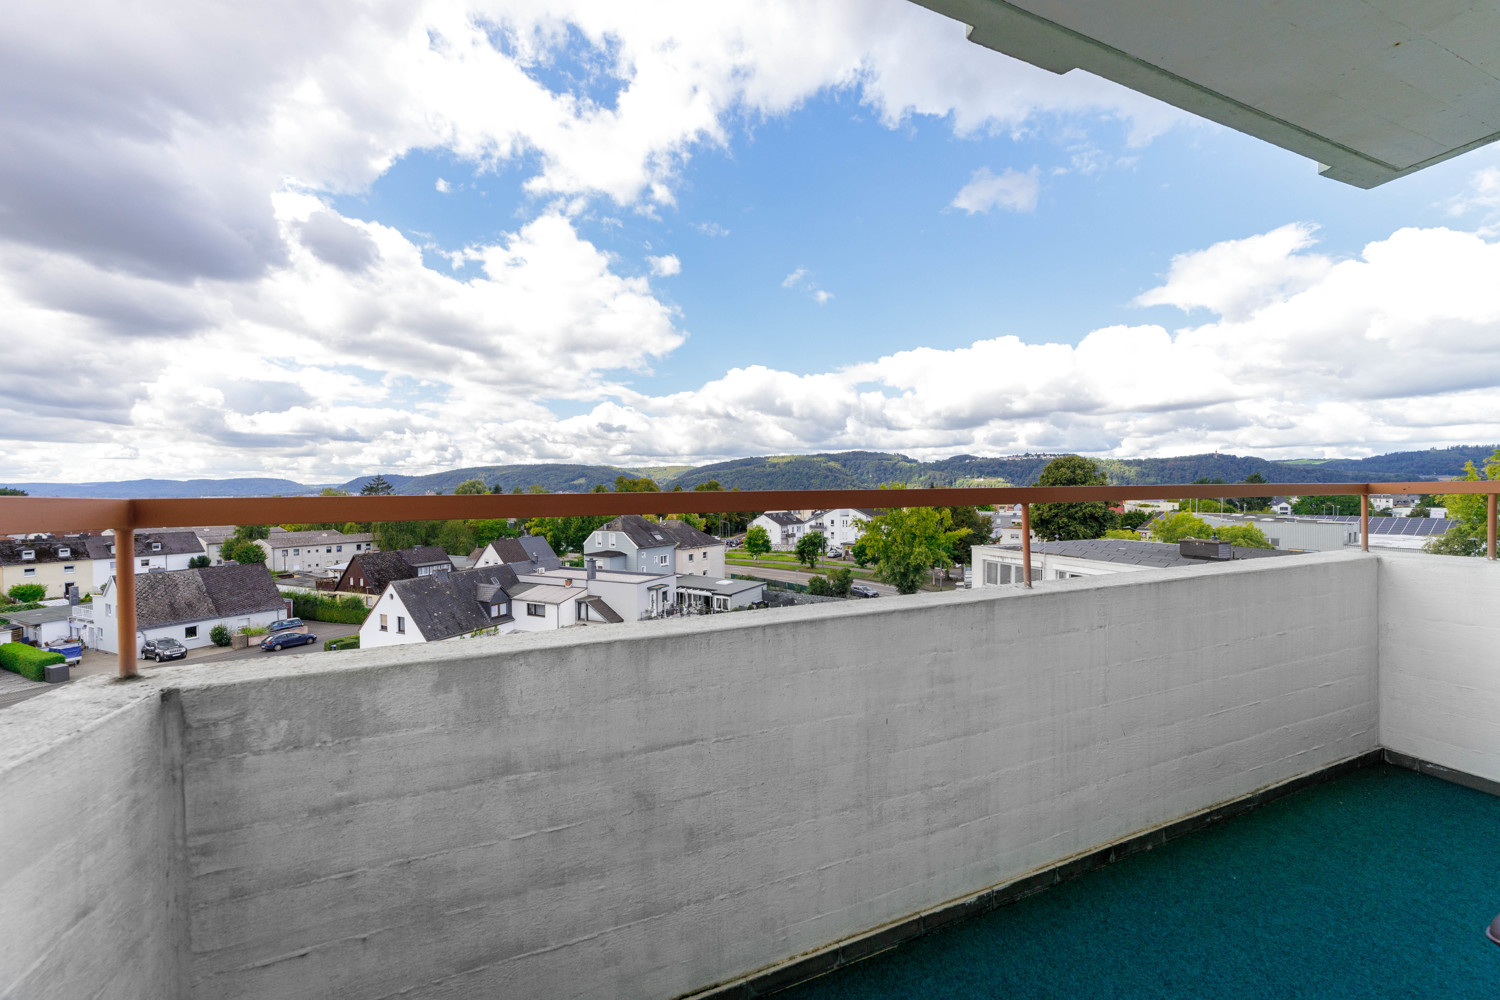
1377	884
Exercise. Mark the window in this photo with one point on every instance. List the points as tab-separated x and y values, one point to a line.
328	549
30	571
145	563
661	560
296	552
69	569
991	573
156	546
581	610
690	557
339	547
384	625
64	552
494	611
191	632
111	565
28	553
400	624
1005	573
721	604
109	611
536	610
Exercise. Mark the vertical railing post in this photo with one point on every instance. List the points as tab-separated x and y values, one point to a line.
1026	544
1364	520
1489	525
125	598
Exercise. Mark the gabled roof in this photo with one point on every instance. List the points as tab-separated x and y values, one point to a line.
785	518
686	535
426	555
173	543
645	534
44	549
378	570
445	605
195	595
528	551
312	539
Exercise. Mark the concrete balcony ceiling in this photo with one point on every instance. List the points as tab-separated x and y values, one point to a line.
1371	89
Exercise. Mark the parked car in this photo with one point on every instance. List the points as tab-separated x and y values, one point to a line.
862	590
276	640
284	624
163	649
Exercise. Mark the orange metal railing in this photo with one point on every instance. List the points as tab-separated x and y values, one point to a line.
29	515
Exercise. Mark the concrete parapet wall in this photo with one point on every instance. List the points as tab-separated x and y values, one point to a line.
90	814
1440	660
648	809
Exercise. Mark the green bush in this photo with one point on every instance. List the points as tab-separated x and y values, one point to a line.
347	642
253	630
840	580
28	661
819	586
220	636
348	610
24	593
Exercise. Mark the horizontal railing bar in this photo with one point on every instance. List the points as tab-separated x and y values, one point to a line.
48	514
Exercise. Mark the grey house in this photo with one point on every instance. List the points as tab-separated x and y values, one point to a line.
634	543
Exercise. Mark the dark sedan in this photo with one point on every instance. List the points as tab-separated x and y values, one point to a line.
278	640
861	590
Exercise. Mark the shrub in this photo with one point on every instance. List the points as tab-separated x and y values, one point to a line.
348	610
820	586
28	661
346	642
253	630
840	580
25	593
220	636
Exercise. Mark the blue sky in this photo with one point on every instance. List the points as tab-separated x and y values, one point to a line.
684	235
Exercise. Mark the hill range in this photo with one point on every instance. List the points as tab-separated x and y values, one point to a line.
842	470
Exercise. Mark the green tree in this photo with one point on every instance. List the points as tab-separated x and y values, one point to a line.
1246	536
486	530
1420	512
861	553
1132	519
1090	519
1343	506
841	580
625	484
1176	527
1122	534
757	541
565	534
455	538
809	547
979	527
1468	537
470	487
252	532
377	487
819	586
7	491
198	562
908	541
26	593
393	535
1255	503
241	550
332	491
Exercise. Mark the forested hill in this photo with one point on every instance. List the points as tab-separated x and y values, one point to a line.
844	470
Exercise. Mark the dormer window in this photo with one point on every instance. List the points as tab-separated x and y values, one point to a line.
28	553
156	546
64	552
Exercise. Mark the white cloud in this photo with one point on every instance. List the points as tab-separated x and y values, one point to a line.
1235	277
795	278
822	297
710	229
1011	190
665	266
442	186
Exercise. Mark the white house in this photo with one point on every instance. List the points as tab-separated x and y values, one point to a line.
155	549
186	604
633	542
709	594
443	605
525	554
628	594
314	551
995	566
842	526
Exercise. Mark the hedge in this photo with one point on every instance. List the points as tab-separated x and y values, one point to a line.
346	642
28	661
310	607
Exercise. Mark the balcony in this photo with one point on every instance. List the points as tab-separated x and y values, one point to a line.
709	806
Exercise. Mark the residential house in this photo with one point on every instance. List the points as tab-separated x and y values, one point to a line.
841	527
1068	560
634	543
698	553
51	561
1299	534
370	573
38	626
709	594
1387	501
186	604
526	554
630	594
155	550
443	605
319	552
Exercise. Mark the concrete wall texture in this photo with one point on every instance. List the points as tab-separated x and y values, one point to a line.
649	809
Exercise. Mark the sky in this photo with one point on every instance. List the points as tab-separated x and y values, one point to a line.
320	240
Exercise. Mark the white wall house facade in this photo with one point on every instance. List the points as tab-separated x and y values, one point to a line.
186	605
841	526
159	551
442	606
314	551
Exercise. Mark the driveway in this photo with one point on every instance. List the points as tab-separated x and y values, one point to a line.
15	688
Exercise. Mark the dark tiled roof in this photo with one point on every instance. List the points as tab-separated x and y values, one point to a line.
531	551
193	595
686	535
783	517
426	555
445	605
173	543
377	569
645	534
45	549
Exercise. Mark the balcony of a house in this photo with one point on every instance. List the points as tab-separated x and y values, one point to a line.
713	805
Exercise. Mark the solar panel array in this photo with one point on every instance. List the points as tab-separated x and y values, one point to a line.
1416	527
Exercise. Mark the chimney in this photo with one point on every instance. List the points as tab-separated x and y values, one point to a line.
593	567
1205	548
